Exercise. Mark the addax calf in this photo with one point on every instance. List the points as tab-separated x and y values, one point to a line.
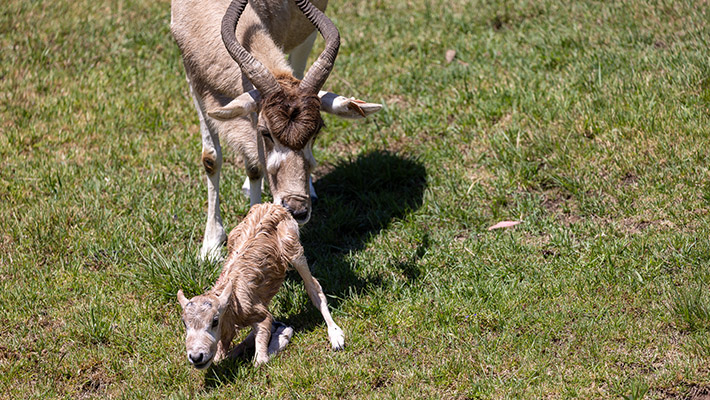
260	249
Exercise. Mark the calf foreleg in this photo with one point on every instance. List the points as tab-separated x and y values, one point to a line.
224	344
262	332
315	292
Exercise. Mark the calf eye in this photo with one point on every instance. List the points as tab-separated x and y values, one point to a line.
215	322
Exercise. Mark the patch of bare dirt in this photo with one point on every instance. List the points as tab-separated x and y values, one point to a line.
559	204
699	393
504	121
629	179
93	380
686	392
636	225
8	355
462	236
6	243
397	100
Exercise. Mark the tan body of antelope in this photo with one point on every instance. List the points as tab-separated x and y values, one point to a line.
260	249
255	104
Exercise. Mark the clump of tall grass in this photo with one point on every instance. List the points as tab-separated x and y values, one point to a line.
164	273
691	306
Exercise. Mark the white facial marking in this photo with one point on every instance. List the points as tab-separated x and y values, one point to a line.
276	157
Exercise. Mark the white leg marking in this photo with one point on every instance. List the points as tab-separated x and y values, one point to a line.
245	187
336	335
253	189
214	230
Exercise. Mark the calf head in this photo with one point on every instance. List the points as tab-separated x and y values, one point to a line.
203	316
288	109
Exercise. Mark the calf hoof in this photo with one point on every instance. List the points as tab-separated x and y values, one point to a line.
337	338
281	335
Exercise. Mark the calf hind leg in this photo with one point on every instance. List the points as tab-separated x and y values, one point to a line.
280	337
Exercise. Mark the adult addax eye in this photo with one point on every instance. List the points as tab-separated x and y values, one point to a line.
215	322
266	134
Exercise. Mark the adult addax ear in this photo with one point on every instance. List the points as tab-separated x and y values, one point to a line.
243	105
346	107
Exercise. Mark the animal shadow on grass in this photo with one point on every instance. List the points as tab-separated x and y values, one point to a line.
357	199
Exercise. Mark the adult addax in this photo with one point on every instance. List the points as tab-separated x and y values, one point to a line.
257	105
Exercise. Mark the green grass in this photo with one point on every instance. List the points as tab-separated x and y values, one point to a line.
589	121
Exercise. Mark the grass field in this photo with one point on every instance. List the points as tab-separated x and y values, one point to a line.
587	120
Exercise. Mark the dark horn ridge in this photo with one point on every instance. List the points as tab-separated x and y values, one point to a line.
321	68
260	76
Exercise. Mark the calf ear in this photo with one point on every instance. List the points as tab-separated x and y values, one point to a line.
182	299
224	296
346	107
243	105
